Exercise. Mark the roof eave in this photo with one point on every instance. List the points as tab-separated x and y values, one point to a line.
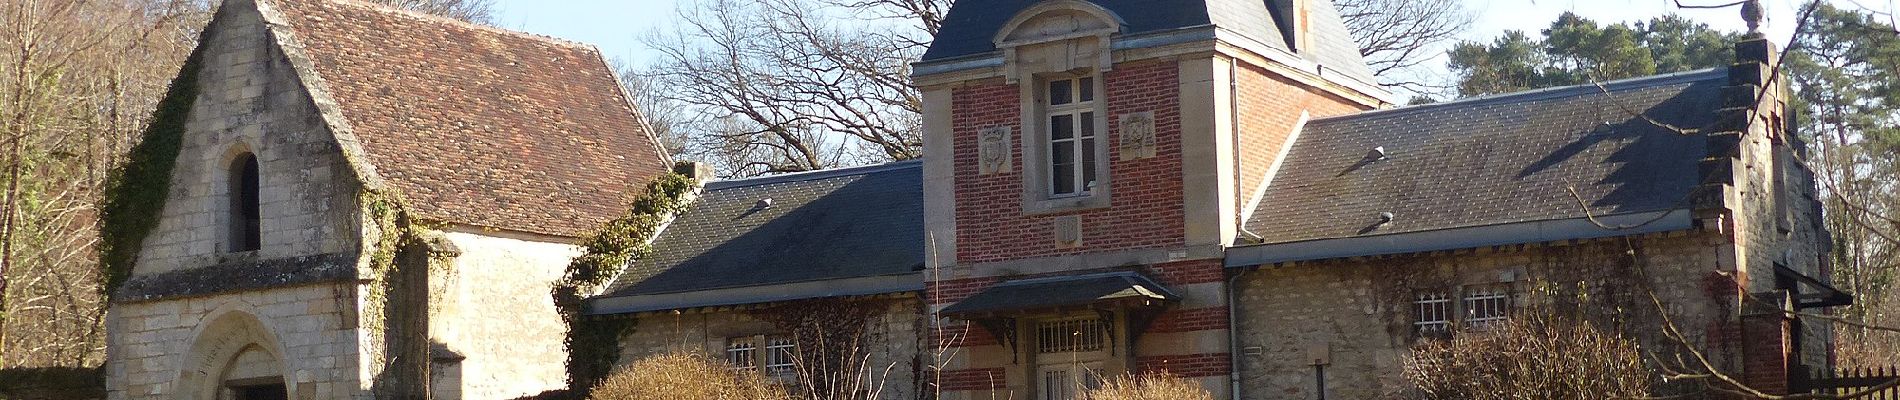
1638	223
734	296
931	72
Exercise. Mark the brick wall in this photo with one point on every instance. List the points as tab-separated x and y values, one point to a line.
1187	365
1146	209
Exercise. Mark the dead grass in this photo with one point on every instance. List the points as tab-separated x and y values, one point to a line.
1162	386
1534	357
685	376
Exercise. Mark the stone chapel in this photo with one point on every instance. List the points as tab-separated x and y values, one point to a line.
269	273
1217	189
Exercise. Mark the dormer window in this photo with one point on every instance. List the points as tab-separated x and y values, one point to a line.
1070	110
244	211
1056	53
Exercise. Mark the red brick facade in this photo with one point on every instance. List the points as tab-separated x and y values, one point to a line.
1186	365
1146	209
971	379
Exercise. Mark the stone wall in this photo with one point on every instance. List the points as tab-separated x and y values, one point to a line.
493	307
157	347
896	343
250	100
1359	312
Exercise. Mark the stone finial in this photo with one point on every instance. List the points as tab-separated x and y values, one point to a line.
1753	14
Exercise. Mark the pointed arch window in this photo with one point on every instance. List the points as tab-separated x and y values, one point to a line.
245	208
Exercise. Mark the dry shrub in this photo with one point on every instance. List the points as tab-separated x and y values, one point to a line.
1529	358
1161	386
683	376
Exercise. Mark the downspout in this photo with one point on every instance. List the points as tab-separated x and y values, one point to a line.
1233	123
1233	332
1233	317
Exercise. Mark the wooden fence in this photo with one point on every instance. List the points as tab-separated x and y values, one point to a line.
1872	383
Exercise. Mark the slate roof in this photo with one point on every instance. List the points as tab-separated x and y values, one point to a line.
1493	160
970	25
1062	291
825	225
479	125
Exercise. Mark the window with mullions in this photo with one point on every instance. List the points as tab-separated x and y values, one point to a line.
770	354
778	356
743	353
1070	109
1071	335
1487	305
1431	312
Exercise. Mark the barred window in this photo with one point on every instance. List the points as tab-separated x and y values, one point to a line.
1071	335
1486	305
1431	312
742	352
779	351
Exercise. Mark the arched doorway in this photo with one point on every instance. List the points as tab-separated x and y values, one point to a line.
234	357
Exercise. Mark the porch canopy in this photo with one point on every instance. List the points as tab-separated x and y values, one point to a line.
1123	289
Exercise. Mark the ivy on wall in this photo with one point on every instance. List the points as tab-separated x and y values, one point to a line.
593	344
137	189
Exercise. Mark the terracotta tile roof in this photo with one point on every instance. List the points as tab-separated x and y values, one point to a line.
479	125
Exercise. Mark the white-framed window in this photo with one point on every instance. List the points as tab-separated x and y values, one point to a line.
1431	313
1070	115
779	355
1486	305
773	355
743	352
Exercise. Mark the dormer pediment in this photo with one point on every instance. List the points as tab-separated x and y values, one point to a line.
1057	36
1057	20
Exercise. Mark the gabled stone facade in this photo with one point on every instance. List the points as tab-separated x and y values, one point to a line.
343	283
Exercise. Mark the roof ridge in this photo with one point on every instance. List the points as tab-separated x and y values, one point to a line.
1549	92
465	24
813	175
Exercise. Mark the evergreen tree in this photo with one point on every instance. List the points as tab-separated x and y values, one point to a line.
1576	50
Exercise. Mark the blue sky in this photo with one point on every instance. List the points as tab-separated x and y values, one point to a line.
616	26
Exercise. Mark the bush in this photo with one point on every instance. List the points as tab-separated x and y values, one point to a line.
683	376
1162	386
1529	358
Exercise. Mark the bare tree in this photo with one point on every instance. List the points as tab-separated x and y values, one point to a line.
662	117
77	78
777	86
1397	36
